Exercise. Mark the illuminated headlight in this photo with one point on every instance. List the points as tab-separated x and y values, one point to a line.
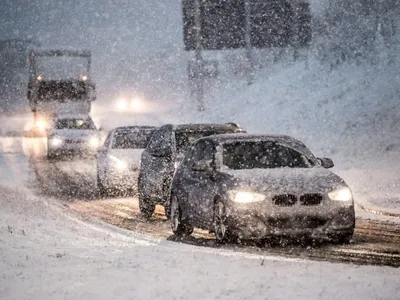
122	104
342	194
84	77
245	197
117	163
94	142
39	78
55	142
41	125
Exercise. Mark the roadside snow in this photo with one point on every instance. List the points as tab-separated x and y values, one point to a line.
45	254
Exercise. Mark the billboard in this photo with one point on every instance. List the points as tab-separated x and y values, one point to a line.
272	23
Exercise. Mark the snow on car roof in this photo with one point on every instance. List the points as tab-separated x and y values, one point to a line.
72	116
206	126
136	127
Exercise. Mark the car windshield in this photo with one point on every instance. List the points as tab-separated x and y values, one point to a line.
131	139
262	155
75	124
61	90
185	138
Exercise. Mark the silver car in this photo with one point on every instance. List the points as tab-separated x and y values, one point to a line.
74	134
119	158
243	186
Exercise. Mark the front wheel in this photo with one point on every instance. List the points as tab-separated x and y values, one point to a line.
146	207
221	230
343	238
101	187
179	227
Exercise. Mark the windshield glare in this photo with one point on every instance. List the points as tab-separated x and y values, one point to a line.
75	124
131	140
262	155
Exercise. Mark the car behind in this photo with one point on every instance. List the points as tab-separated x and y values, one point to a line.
73	135
259	186
163	154
119	158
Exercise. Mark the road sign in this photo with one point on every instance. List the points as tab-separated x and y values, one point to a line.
272	23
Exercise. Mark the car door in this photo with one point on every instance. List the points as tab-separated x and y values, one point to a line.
156	162
200	182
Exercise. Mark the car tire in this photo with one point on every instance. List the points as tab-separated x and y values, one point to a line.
343	239
221	230
146	207
167	197
100	186
179	227
51	155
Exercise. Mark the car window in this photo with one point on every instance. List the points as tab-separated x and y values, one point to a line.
204	150
73	123
263	155
184	139
131	139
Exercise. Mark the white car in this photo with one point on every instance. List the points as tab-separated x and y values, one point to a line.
73	134
118	161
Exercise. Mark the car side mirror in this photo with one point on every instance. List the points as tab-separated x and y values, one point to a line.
203	166
326	162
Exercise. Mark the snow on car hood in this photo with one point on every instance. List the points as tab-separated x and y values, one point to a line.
286	180
130	156
76	134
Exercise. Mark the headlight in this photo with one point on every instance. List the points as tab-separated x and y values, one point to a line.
245	197
342	194
55	142
117	163
94	142
41	125
122	104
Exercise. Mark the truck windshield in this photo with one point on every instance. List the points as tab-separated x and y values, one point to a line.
61	67
62	90
75	124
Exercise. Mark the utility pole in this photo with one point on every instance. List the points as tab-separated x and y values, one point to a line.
249	56
198	72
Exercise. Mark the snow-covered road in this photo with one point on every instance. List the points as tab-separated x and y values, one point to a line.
46	253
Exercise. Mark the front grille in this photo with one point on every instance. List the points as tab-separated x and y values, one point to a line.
74	141
284	200
296	222
310	199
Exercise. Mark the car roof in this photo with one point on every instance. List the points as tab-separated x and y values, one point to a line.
281	138
206	126
131	128
72	116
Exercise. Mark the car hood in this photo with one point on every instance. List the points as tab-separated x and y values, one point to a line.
286	180
74	134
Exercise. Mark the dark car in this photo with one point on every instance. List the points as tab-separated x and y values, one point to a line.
258	186
164	152
119	158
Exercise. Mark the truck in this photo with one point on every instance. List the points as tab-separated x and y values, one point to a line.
60	82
